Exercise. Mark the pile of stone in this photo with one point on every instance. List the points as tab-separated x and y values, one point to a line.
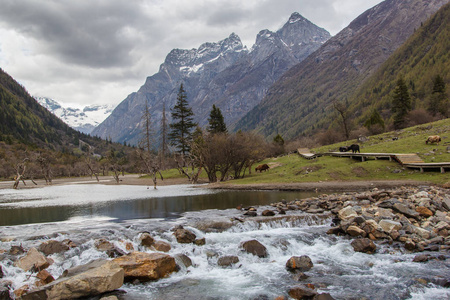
418	218
98	277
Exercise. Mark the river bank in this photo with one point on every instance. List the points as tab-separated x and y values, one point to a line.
136	179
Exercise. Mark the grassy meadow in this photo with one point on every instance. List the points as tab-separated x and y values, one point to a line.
293	168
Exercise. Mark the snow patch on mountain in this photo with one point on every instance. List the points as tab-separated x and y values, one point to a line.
83	119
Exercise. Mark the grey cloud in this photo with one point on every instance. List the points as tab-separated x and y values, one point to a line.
90	33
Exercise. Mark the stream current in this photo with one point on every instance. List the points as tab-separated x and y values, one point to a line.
85	213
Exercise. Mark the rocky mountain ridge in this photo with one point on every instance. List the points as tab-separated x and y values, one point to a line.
301	101
81	119
225	74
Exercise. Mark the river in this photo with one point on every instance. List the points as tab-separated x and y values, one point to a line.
86	213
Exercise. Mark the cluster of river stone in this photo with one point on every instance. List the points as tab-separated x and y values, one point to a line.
415	219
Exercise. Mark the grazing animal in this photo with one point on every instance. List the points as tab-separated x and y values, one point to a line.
343	149
433	139
261	168
354	148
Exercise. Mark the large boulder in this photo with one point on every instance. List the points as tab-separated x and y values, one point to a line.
32	261
162	246
403	209
146	239
355	231
184	236
146	266
363	245
302	292
52	247
389	225
299	263
226	261
108	247
254	247
347	213
94	278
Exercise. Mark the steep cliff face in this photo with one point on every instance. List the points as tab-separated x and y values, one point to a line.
224	73
301	99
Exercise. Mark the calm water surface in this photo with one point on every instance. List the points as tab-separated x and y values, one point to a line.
122	202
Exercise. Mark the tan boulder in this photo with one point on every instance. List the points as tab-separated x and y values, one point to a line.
146	266
347	213
389	225
33	260
146	239
162	246
355	231
95	278
424	212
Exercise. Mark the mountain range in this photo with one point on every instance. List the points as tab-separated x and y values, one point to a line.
82	119
225	74
301	101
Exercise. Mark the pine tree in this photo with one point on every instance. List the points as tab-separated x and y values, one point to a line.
375	120
401	104
439	99
216	121
183	123
278	139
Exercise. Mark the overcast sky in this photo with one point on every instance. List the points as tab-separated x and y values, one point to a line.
83	52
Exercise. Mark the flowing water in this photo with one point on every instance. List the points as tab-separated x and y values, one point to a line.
84	213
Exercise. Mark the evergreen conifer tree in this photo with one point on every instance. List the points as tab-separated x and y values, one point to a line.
216	121
375	120
439	99
401	104
180	135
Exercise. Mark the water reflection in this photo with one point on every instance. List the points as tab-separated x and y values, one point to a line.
53	205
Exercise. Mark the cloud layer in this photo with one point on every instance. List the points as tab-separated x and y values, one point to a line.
85	52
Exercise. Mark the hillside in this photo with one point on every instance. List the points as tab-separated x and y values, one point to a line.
26	122
425	55
302	100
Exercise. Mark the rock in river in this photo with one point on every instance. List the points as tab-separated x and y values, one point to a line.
299	263
254	247
95	278
146	266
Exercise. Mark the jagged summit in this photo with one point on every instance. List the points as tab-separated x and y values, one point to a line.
222	73
296	17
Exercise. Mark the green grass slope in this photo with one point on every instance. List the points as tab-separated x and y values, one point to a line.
293	168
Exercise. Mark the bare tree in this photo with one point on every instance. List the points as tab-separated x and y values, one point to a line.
342	109
44	163
20	169
150	160
164	131
89	161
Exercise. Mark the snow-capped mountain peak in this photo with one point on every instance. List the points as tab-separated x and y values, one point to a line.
82	119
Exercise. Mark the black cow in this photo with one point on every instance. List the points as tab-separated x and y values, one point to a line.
354	148
344	149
